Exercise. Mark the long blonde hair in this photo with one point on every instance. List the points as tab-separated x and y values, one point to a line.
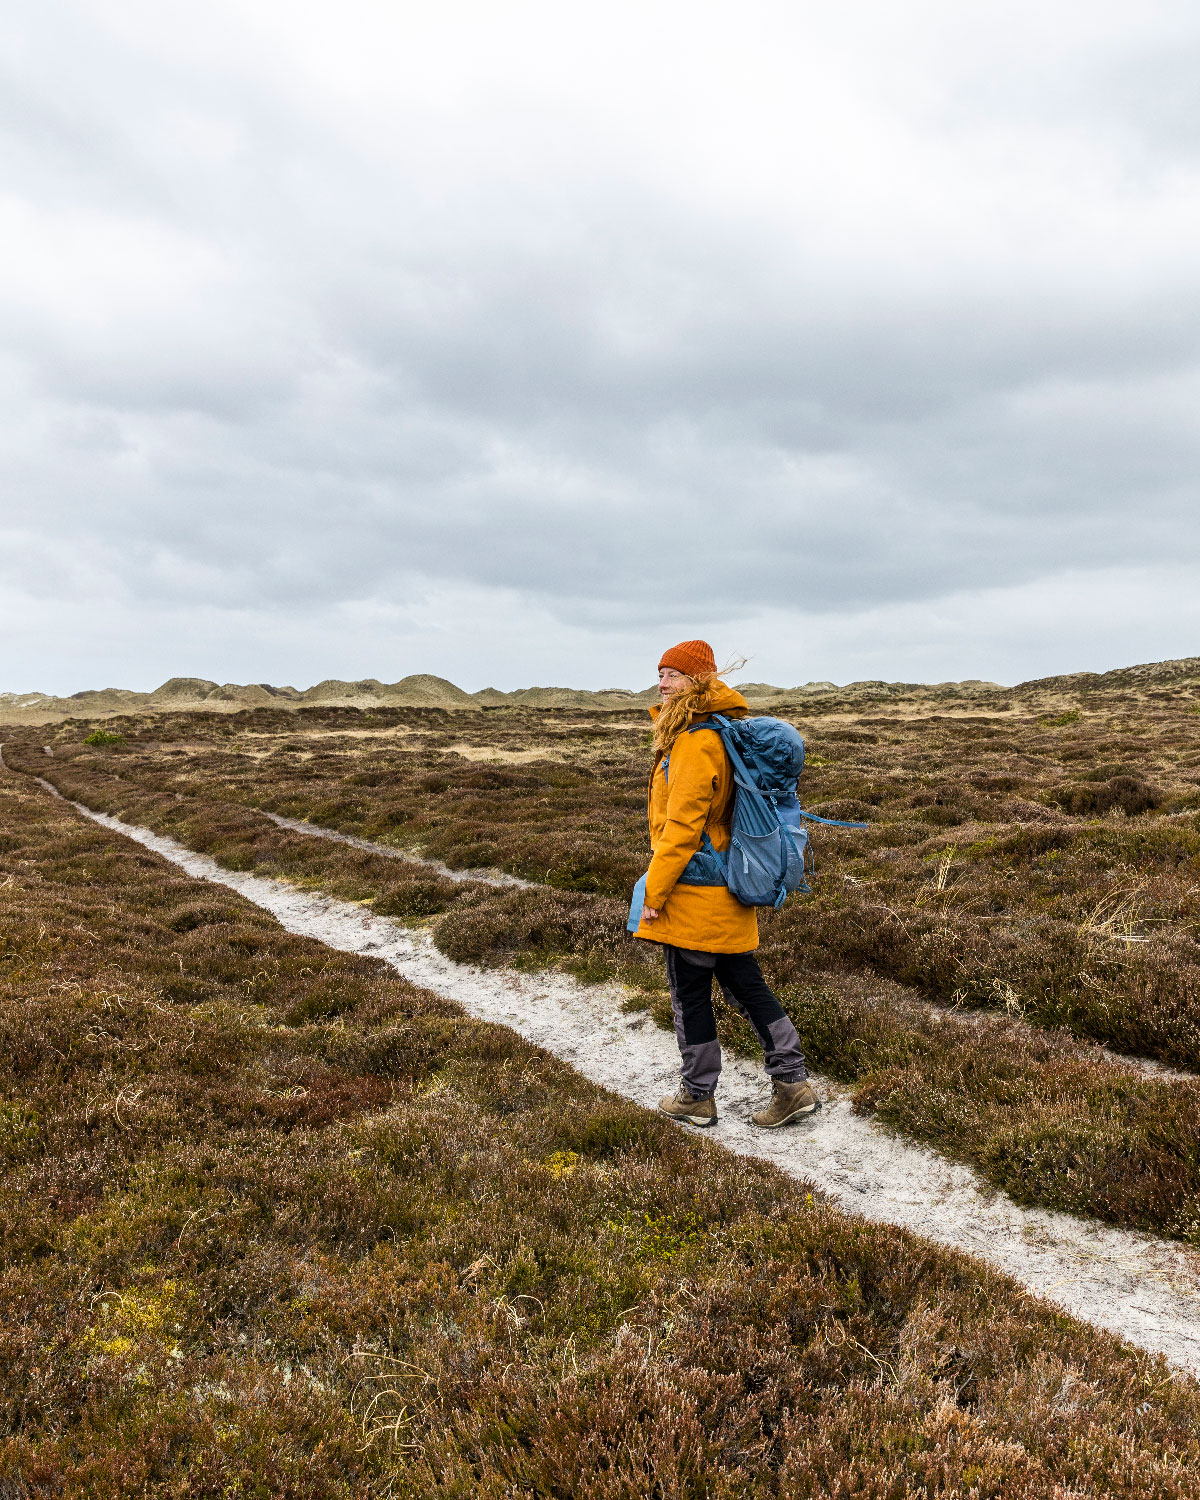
677	711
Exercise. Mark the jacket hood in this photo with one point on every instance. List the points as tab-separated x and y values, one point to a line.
722	700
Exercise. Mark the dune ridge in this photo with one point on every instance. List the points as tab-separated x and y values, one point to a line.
424	690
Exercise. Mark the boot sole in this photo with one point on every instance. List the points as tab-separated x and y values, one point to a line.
796	1114
702	1122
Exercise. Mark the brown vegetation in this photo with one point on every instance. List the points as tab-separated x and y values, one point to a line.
973	889
275	1222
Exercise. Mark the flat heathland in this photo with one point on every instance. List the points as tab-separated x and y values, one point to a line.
1027	889
278	1222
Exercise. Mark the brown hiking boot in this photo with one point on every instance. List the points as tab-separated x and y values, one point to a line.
681	1106
789	1101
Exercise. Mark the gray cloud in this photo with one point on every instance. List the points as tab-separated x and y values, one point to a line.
290	341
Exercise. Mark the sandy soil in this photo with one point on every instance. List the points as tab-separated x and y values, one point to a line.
314	830
1145	1290
507	757
311	732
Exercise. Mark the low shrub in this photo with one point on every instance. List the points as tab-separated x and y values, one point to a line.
1089	799
397	1251
495	926
948	915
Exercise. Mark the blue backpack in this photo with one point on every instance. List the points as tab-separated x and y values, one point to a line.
769	854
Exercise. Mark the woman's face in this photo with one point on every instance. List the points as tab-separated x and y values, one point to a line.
671	682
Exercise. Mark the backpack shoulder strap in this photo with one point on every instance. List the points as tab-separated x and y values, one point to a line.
741	774
764	772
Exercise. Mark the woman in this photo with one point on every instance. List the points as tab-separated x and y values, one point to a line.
704	930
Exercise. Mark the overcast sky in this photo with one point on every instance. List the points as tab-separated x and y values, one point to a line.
514	342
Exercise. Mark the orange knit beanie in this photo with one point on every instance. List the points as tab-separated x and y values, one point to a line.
693	658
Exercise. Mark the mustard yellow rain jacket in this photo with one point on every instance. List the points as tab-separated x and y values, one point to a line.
695	794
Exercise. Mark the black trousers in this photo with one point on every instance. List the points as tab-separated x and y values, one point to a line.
691	974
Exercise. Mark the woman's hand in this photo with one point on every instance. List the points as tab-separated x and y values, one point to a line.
649	914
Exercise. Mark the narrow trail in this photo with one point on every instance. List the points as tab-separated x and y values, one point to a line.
1145	1290
314	830
1149	1067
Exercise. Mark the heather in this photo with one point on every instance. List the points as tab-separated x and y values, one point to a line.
1023	860
951	965
276	1222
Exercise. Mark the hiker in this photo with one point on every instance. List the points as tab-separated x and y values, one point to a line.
704	930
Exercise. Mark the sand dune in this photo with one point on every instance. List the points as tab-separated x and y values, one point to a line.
423	690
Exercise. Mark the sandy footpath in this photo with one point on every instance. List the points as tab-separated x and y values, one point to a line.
315	830
1144	1289
1147	1066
